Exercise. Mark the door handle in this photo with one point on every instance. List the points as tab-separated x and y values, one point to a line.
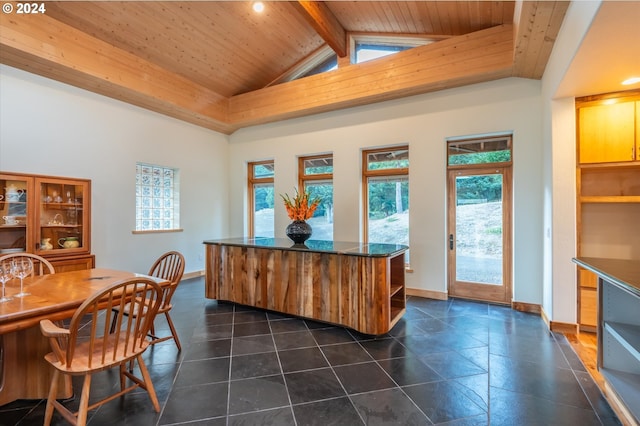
450	241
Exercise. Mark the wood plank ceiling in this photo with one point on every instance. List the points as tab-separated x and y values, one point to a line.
222	66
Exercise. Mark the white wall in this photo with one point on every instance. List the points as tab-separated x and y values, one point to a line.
52	128
560	291
424	122
55	129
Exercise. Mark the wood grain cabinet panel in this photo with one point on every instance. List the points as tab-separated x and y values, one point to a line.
607	133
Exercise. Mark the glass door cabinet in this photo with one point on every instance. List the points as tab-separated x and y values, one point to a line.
15	208
48	216
61	216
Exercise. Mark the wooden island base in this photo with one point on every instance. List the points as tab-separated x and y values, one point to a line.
360	286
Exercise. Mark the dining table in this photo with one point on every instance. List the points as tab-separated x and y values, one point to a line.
24	373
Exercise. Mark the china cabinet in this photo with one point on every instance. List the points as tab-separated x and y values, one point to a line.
49	216
608	188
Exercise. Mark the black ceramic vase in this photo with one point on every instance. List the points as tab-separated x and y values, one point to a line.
299	231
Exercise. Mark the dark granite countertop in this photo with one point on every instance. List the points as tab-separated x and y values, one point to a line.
337	247
625	273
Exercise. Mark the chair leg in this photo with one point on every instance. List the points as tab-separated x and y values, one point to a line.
84	401
122	376
53	391
173	331
148	384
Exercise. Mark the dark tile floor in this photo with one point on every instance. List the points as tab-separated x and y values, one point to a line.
449	362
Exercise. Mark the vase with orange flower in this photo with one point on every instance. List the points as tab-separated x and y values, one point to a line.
300	208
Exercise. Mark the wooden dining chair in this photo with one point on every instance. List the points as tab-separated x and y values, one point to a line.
40	264
169	266
78	354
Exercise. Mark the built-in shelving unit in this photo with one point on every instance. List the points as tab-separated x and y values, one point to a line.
619	361
618	331
397	293
608	187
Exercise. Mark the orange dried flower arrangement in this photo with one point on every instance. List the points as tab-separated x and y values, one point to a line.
300	207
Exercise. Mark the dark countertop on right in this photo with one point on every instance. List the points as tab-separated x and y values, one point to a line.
623	272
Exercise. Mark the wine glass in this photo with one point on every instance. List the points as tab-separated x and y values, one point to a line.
6	274
22	267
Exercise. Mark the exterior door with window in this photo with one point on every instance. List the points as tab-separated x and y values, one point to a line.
479	220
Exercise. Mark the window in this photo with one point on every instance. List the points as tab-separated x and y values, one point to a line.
316	175
157	198
368	47
328	64
385	178
323	60
479	151
261	222
367	51
363	48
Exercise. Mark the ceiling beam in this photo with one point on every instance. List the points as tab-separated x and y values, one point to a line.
320	17
467	59
45	46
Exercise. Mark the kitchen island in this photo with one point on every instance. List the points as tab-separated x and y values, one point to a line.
619	330
355	285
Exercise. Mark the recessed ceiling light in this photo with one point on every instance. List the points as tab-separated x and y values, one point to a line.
258	6
632	80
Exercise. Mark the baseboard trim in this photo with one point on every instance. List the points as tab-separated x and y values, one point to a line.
531	308
557	326
564	327
429	294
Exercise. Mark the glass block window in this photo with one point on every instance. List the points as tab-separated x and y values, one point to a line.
157	198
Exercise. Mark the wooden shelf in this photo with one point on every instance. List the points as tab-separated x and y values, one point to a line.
57	206
610	199
395	289
396	314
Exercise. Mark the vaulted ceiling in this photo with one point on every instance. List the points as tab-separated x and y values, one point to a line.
222	66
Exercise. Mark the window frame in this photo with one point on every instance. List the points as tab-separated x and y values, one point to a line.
508	137
303	177
251	182
175	184
366	174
